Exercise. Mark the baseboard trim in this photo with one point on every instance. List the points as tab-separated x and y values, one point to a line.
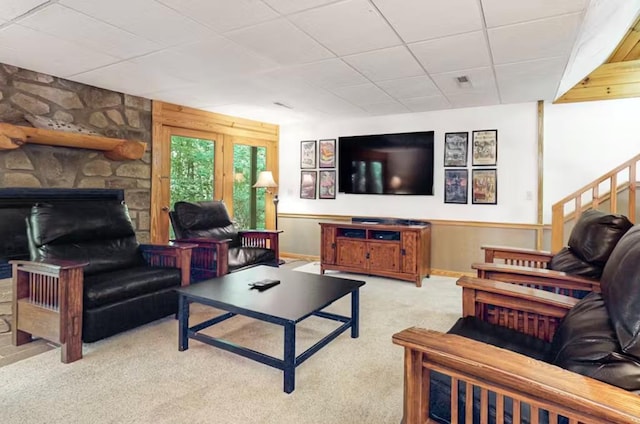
440	272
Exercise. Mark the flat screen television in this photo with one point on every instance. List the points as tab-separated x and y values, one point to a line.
386	163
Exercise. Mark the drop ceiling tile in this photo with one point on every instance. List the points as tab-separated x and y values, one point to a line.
268	39
291	6
530	81
144	18
139	79
30	49
500	12
474	99
328	74
409	87
363	94
387	108
426	103
417	20
347	27
482	80
11	9
72	26
534	40
462	51
200	62
386	64
223	15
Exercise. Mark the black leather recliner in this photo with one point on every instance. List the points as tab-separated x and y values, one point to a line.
222	248
599	337
121	289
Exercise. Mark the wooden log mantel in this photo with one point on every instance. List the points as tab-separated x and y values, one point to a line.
14	136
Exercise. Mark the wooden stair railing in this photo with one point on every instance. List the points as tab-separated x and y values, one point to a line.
559	217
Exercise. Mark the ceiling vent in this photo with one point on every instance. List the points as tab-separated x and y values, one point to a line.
463	81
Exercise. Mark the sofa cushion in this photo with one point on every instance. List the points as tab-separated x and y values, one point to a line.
201	215
567	261
74	223
595	235
620	285
506	338
110	287
586	343
245	256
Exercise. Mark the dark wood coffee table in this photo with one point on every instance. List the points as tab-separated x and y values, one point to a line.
298	296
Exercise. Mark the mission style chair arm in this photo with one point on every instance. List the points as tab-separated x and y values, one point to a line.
267	239
517	256
504	374
47	301
544	279
527	310
172	255
209	252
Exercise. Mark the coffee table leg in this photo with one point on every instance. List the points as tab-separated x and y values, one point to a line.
355	313
183	323
289	357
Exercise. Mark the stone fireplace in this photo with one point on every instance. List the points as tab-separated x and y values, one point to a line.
108	113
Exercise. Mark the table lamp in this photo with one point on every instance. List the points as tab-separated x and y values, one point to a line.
265	180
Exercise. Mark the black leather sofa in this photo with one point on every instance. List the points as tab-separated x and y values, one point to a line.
599	338
125	284
221	246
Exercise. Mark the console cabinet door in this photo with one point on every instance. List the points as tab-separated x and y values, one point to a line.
384	256
351	253
328	248
409	252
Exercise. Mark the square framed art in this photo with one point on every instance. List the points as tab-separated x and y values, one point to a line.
455	149
327	185
308	184
485	148
485	186
456	185
327	153
308	154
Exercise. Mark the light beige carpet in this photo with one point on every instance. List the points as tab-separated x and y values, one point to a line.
141	377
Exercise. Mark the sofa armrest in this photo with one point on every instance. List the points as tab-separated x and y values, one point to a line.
504	374
173	255
211	256
48	303
545	279
266	239
528	310
517	256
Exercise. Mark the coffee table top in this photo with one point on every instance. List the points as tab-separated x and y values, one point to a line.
297	296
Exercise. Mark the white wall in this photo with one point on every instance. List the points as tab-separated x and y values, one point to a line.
517	168
584	141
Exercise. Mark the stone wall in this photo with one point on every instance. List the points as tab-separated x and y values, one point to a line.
109	113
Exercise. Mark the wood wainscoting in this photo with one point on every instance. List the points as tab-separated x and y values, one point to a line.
455	245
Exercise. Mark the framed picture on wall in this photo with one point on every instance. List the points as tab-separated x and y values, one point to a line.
327	153
308	154
327	185
308	184
456	185
484	186
485	148
455	148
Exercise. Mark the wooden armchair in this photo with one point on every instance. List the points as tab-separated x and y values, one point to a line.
221	247
502	384
544	279
575	270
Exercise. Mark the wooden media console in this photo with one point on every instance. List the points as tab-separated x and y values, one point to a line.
395	251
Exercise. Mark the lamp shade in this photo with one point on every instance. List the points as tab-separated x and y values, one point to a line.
265	180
